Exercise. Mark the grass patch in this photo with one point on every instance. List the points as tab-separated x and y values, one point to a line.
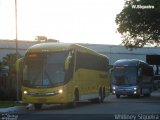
5	104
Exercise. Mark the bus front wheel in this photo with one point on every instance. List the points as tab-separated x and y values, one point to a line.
37	106
117	96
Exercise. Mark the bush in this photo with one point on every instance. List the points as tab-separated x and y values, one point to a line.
3	94
7	94
11	94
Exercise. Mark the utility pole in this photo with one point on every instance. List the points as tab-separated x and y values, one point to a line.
16	40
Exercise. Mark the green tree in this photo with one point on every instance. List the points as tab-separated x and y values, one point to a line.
10	60
8	89
139	23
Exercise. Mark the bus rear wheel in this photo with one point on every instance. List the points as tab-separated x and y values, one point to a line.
100	98
102	95
37	106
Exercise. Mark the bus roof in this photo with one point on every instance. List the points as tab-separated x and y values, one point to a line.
49	47
128	62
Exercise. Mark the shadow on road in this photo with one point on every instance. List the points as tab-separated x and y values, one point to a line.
62	106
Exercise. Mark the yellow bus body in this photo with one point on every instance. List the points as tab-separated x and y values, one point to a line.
88	89
87	81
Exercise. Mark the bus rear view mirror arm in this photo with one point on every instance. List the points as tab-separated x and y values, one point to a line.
67	62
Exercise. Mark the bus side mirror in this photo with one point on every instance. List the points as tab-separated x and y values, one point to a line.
67	62
25	69
139	72
19	65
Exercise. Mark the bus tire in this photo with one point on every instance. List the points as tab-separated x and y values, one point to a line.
137	96
104	93
76	98
147	95
117	96
37	106
101	96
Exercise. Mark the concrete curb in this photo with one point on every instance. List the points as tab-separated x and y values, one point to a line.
12	109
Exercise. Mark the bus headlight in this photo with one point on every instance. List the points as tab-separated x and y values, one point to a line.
113	87
60	91
135	88
25	92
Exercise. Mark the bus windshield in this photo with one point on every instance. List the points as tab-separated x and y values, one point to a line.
45	69
124	76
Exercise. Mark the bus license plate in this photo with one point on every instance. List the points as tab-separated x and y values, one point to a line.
42	100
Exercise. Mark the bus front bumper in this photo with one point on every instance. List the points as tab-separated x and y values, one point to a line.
126	91
47	96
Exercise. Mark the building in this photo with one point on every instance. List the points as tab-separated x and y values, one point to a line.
114	52
9	46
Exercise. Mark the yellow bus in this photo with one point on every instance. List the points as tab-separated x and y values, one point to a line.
63	73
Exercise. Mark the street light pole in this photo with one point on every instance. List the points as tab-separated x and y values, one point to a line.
16	40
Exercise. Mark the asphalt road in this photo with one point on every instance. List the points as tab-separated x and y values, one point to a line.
124	108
